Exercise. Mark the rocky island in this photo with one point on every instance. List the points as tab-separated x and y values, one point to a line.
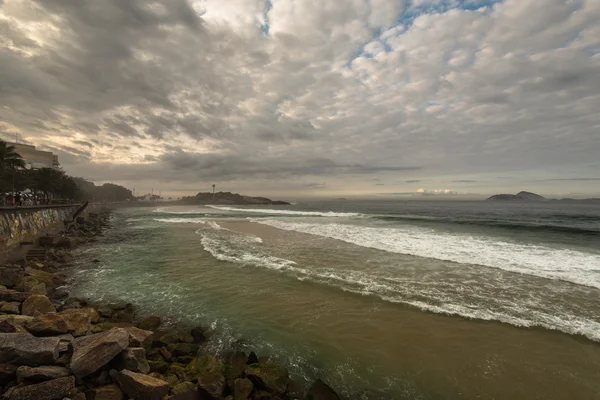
521	196
229	199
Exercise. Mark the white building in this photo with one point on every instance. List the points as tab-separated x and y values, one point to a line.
35	158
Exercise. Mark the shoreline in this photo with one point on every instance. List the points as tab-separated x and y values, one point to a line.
54	346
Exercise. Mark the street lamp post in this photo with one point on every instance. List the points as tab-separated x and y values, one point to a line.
13	188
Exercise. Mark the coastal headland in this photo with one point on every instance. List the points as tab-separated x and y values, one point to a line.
55	346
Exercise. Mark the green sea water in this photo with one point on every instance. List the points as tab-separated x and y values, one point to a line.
383	301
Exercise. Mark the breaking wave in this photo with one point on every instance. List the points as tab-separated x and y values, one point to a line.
563	264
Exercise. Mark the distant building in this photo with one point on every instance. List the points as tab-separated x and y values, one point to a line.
35	159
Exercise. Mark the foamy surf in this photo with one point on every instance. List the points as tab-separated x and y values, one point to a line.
286	212
239	249
563	264
182	220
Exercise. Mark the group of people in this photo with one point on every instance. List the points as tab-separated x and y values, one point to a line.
22	199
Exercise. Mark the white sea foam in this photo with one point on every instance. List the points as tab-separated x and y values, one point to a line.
286	212
220	249
169	211
542	261
235	249
182	220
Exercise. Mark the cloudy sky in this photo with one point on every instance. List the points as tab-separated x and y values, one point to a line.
309	97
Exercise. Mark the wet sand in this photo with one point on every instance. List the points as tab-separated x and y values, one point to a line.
442	356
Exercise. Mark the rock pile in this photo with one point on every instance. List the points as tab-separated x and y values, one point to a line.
56	347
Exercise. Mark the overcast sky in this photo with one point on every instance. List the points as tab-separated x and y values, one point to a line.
296	98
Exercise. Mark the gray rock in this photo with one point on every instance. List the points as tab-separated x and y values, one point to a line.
132	359
139	337
140	386
321	391
56	389
41	374
37	302
92	352
26	349
47	325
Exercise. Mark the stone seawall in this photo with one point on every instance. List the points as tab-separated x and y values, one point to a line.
29	223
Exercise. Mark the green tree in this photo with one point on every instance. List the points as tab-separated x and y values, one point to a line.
49	181
10	163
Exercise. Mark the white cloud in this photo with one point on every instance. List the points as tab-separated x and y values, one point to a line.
512	87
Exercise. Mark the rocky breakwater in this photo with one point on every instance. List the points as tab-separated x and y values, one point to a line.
56	347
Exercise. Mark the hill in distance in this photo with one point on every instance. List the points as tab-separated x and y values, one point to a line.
229	198
521	196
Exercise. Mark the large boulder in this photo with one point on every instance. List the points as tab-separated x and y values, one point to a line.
47	325
242	389
11	276
107	392
56	389
90	353
321	391
269	377
41	374
37	302
150	323
13	295
26	349
78	320
132	359
140	386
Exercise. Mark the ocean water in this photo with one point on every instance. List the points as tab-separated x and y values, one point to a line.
382	299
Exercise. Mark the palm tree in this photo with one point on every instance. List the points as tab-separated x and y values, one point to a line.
9	157
9	160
